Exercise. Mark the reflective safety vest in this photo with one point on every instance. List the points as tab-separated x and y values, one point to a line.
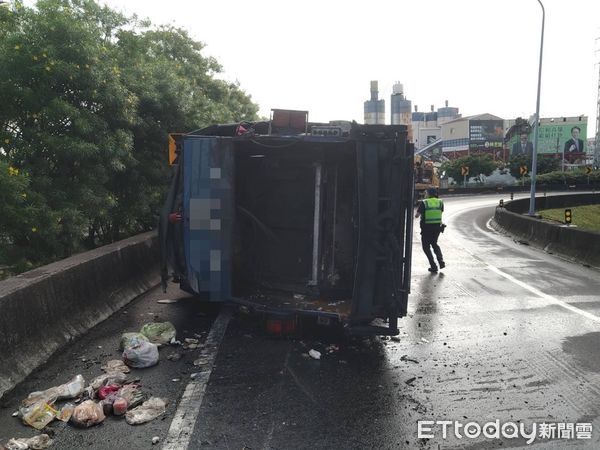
433	210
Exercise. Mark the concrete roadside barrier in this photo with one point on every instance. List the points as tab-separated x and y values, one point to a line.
571	242
43	309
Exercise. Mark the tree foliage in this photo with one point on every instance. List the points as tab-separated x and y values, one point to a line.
544	165
479	165
87	97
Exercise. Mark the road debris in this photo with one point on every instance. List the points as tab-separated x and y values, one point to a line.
38	415
88	414
174	357
396	338
155	440
406	358
132	394
71	389
127	338
314	354
168	301
147	411
120	406
141	354
424	340
115	365
410	381
39	442
118	378
66	412
159	333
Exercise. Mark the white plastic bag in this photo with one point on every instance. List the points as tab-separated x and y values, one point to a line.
147	411
36	443
141	354
71	389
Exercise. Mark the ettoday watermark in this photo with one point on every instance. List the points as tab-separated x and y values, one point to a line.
429	429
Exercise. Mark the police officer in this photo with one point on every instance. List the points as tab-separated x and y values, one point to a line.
430	210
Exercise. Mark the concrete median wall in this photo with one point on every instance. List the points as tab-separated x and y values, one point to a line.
43	309
571	242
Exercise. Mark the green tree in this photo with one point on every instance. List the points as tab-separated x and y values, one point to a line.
544	164
480	165
87	97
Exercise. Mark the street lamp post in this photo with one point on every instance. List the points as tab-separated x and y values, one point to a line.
537	122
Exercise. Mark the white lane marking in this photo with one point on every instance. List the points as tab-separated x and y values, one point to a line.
526	286
185	417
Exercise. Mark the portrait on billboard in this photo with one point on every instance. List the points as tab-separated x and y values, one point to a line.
523	146
574	144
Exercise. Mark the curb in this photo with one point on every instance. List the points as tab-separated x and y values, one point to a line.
45	308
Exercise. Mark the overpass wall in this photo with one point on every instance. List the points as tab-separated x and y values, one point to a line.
571	242
45	308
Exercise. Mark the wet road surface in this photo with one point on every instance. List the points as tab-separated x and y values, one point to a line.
506	332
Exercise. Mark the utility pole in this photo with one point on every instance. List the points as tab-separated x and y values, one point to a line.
597	138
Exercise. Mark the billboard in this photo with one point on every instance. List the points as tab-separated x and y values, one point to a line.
486	136
555	137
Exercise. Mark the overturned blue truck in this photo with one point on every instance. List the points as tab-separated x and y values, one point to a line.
295	220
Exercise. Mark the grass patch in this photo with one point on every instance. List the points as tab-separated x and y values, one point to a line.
585	217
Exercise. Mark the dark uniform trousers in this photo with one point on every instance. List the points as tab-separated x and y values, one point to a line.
429	237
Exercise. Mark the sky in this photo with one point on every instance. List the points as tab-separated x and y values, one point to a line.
480	55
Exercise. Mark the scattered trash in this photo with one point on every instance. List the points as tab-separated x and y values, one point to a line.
105	391
115	365
406	358
132	395
126	339
155	440
410	381
168	301
107	405
141	354
314	354
175	380
159	333
332	348
175	342
191	343
38	415
120	406
396	338
200	362
88	414
66	412
149	410
105	379
299	297
174	357
72	389
15	414
425	340
194	375
39	442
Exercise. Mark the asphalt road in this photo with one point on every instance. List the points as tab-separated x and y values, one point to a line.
505	333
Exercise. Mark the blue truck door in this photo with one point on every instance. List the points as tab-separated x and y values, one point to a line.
208	214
